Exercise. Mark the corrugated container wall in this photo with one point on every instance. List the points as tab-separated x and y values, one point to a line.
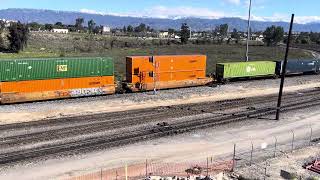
245	69
54	68
296	66
34	90
149	71
23	80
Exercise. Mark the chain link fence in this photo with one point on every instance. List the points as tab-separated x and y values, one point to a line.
256	158
152	168
243	156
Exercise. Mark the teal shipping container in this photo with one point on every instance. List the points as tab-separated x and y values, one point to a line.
234	70
54	68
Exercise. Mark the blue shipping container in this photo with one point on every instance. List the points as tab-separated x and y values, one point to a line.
296	66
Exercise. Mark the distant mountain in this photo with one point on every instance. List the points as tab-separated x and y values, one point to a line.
68	17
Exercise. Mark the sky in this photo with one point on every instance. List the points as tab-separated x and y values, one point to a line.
263	10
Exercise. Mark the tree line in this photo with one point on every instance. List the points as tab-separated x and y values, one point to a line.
79	26
18	32
272	35
91	27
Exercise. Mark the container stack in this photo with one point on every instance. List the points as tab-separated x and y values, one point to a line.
146	73
24	80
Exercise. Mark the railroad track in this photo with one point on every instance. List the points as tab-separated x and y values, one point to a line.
90	119
131	120
148	133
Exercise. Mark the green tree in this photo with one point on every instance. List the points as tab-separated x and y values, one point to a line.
18	36
235	35
91	25
148	29
314	37
2	27
273	35
79	24
223	30
184	33
97	30
48	27
303	38
141	28
124	29
216	31
34	26
130	28
58	25
171	31
71	28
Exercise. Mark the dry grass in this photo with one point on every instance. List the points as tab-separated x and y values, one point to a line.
55	45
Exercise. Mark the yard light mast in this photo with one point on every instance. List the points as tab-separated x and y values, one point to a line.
248	32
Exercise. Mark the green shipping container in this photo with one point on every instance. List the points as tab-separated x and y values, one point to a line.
54	68
245	69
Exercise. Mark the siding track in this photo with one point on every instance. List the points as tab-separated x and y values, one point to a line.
222	112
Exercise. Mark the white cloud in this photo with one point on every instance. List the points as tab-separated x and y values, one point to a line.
183	12
307	19
236	2
286	18
166	12
90	11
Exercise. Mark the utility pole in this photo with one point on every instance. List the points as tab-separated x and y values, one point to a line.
248	32
234	158
284	70
207	167
146	168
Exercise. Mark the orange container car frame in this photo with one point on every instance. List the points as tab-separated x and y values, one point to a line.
35	90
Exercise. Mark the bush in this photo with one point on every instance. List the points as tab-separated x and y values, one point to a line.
304	41
62	52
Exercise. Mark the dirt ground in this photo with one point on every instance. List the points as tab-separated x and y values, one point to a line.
191	147
122	102
291	163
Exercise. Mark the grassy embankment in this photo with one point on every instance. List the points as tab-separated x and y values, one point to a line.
57	45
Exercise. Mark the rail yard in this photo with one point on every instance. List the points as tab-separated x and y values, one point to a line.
166	116
160	90
106	130
156	90
85	133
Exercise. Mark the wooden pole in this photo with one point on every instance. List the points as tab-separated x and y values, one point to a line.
234	158
146	168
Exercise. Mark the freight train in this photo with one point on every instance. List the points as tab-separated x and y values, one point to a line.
25	80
